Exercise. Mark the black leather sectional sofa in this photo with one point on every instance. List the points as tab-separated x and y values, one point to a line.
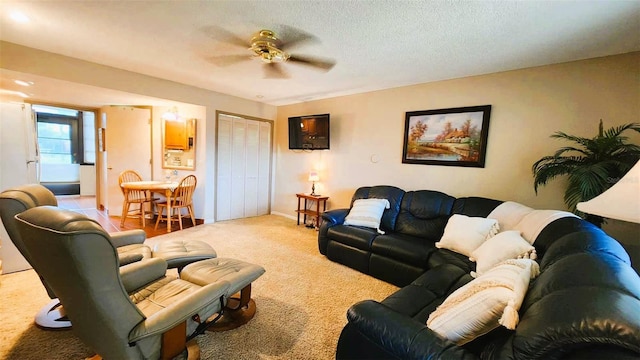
585	304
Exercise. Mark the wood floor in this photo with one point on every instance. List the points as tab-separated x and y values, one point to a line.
87	205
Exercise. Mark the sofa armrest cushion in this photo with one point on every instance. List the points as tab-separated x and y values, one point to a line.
400	335
335	216
126	259
140	273
329	219
128	237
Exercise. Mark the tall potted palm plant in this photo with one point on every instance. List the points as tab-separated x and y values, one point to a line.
592	165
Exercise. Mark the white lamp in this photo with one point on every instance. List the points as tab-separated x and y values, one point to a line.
621	201
313	177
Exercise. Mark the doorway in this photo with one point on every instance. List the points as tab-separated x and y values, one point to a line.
66	143
126	140
243	166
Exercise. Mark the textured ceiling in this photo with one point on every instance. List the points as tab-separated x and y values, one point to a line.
376	44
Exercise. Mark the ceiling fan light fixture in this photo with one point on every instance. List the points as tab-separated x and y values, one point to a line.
265	46
270	50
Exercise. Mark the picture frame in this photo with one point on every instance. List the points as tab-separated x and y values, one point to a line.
450	137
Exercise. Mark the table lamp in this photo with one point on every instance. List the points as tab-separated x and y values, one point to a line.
313	177
620	202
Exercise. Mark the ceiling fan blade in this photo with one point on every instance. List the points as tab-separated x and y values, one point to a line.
319	63
290	37
226	60
220	34
274	71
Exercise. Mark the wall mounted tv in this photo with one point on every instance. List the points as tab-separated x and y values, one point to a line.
309	132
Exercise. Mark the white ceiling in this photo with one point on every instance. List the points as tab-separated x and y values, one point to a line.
376	44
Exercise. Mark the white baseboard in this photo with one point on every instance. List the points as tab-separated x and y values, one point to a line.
288	216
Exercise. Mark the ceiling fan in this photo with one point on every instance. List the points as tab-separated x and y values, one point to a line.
271	50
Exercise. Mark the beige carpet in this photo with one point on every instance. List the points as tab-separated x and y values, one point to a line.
302	298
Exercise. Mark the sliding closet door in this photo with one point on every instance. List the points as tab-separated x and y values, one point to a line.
223	170
252	147
264	168
238	166
243	167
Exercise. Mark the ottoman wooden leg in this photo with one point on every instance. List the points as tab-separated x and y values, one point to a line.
238	311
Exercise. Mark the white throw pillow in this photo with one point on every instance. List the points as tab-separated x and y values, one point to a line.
485	303
367	213
463	234
505	245
509	214
534	222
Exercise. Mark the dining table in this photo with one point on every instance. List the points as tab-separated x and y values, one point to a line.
165	188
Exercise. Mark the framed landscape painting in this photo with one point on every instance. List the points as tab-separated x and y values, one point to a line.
454	137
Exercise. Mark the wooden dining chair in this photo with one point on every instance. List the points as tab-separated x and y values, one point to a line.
181	198
139	197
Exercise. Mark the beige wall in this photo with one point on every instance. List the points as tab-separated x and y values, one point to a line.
527	107
27	60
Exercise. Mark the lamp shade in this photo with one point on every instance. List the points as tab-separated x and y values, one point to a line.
620	202
313	176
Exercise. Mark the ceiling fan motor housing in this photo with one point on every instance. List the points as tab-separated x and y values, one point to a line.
265	46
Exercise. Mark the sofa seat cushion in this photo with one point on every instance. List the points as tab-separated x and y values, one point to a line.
485	303
354	236
445	256
406	248
423	295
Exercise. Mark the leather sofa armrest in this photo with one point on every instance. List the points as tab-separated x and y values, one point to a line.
329	218
140	273
129	237
400	335
335	216
179	311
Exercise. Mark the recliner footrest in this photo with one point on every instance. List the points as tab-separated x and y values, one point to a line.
179	253
238	273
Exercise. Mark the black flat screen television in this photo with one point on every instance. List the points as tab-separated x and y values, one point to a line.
309	132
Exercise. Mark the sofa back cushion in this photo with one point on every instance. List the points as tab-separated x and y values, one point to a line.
391	193
424	214
587	295
474	206
569	225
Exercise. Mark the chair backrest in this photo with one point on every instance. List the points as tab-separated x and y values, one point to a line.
77	259
16	200
129	176
183	194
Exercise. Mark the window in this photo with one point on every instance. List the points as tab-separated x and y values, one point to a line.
89	136
65	136
55	143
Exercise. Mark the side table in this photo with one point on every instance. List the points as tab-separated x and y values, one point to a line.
313	213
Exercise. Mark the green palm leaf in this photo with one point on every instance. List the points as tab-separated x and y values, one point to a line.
592	165
616	131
